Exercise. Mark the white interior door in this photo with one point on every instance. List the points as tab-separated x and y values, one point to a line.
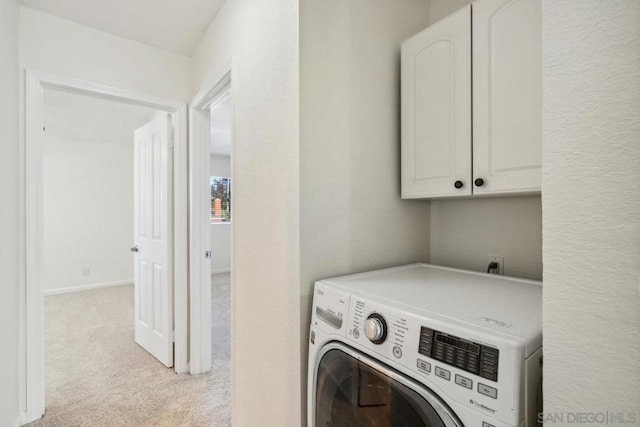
153	238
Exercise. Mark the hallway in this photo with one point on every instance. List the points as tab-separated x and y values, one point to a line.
97	376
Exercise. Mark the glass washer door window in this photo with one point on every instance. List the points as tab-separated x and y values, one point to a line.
352	389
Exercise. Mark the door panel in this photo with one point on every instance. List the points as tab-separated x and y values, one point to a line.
153	237
507	95
436	113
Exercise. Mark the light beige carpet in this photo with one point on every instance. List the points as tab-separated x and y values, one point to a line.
97	376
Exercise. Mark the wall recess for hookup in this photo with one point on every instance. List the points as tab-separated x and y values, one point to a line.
495	264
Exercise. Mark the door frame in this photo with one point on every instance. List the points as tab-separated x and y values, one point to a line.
32	382
199	173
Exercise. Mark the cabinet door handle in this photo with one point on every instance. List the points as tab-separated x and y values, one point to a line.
458	184
479	182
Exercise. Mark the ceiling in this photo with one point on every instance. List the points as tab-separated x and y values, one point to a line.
85	118
173	25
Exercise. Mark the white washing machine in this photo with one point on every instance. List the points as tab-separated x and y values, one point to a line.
421	345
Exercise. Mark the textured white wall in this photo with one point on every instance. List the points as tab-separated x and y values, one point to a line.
221	232
591	205
51	44
438	9
352	217
464	232
263	37
88	205
9	212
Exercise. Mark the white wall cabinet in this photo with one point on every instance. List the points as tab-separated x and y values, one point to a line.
436	109
474	132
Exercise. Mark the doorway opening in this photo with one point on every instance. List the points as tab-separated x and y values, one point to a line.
89	212
221	223
95	170
212	189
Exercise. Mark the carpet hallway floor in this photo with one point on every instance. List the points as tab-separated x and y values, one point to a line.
97	376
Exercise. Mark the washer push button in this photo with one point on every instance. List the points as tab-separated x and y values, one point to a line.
487	391
443	373
423	365
464	381
397	352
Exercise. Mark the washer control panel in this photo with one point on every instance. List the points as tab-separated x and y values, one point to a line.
467	355
383	331
442	356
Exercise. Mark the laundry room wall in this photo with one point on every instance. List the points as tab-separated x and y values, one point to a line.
352	217
54	45
465	232
590	198
9	213
439	9
221	231
262	37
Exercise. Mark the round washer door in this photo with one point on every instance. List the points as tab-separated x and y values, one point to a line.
352	389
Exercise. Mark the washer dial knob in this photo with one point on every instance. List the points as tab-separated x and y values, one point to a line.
375	328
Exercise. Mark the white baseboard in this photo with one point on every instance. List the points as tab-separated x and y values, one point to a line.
79	288
22	420
220	270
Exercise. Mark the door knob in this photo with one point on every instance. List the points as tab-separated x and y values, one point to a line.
458	184
135	249
479	182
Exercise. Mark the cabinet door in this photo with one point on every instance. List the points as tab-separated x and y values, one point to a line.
507	96
436	109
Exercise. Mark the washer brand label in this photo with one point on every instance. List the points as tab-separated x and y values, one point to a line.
481	406
496	322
